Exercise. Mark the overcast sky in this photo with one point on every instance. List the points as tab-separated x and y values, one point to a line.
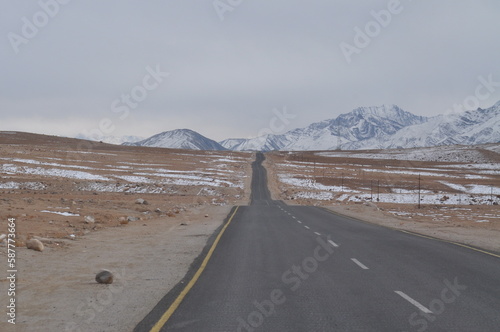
84	66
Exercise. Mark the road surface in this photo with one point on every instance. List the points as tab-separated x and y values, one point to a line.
295	268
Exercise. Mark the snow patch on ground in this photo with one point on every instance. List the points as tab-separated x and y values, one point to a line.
473	188
320	196
23	185
310	183
62	173
66	214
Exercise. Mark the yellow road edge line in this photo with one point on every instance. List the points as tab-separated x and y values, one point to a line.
170	311
452	242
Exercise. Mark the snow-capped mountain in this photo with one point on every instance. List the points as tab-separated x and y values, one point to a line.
110	139
179	139
382	127
469	128
358	125
262	143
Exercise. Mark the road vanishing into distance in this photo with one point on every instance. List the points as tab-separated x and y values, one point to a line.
275	267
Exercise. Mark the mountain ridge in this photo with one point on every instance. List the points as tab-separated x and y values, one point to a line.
375	127
179	139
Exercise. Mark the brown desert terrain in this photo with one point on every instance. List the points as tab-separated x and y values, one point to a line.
146	213
143	213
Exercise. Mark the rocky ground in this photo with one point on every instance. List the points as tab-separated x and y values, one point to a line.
62	189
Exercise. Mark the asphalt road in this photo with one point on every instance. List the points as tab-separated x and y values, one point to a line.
293	268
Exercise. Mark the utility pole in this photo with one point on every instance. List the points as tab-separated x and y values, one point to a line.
314	171
491	194
378	190
419	191
342	182
371	190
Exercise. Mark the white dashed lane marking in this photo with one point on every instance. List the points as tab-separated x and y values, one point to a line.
361	265
333	243
412	301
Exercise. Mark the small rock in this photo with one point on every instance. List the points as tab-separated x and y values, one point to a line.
72	236
141	201
158	210
183	224
104	277
206	216
89	220
34	244
131	219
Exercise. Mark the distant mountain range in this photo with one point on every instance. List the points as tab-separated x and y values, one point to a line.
382	127
110	139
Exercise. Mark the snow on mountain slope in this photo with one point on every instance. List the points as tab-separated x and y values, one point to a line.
180	139
110	139
262	143
360	124
383	127
469	128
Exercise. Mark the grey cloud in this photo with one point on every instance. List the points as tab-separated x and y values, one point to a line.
227	76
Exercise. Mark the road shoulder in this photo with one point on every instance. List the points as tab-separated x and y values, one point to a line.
477	237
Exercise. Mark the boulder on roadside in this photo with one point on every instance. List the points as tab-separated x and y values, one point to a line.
131	219
104	277
34	244
89	220
141	201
